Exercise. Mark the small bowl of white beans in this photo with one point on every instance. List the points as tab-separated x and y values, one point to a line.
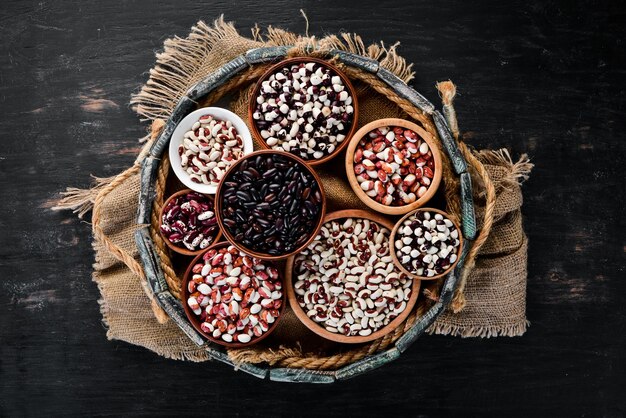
205	144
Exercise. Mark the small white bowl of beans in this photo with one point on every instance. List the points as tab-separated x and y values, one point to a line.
204	145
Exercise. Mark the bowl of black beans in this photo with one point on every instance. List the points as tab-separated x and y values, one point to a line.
270	204
304	106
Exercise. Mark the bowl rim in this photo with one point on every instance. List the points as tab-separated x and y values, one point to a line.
320	330
355	122
172	246
195	322
424	135
228	235
392	240
179	132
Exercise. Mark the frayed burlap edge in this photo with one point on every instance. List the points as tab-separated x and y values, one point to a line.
183	59
492	331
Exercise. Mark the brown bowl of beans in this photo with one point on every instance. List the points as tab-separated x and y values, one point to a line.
188	222
426	244
270	204
393	165
304	106
344	285
231	298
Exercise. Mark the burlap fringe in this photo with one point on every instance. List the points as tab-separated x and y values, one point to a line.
514	330
81	201
178	64
520	170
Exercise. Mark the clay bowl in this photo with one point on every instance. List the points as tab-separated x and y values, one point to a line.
348	85
392	122
174	247
229	236
195	321
392	240
317	328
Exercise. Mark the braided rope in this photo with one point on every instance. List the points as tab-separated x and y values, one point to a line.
173	281
459	301
447	91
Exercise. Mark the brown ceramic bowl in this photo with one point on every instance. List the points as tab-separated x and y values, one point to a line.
356	187
317	328
392	240
174	247
229	236
346	81
195	321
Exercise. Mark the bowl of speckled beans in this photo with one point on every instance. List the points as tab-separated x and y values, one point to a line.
393	165
304	106
426	244
344	286
232	298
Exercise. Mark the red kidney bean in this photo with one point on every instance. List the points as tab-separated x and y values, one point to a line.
189	221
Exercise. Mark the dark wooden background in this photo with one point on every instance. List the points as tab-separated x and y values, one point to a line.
543	77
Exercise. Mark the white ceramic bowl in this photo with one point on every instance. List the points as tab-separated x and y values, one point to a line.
186	124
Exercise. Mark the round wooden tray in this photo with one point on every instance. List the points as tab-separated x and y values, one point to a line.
351	360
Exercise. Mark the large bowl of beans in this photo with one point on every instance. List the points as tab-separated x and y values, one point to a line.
344	286
232	298
304	106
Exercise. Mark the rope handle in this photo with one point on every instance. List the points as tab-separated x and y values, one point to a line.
447	90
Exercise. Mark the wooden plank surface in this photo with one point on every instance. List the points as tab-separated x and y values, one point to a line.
545	78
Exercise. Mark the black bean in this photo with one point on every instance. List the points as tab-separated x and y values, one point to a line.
243	195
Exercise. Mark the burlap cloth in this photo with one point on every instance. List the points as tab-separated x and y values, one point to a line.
495	290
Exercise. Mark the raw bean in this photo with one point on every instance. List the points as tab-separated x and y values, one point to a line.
229	313
345	281
209	148
189	222
427	244
271	204
304	109
394	166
